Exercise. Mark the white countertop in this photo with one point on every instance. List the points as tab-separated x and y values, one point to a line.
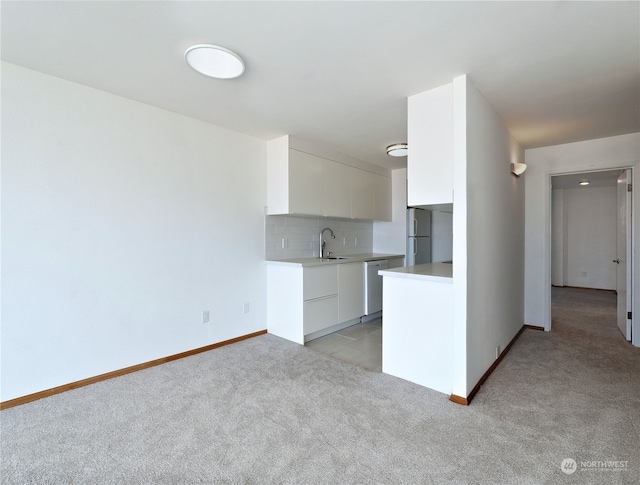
349	258
432	271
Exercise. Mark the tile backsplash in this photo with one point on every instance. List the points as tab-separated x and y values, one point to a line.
289	237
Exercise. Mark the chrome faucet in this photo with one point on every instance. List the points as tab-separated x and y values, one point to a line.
323	243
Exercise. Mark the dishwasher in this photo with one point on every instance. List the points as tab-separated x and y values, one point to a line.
373	285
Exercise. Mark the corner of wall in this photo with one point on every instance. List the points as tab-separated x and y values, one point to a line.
390	237
495	236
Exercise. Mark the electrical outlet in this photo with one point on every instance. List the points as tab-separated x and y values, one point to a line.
285	243
355	241
497	351
245	308
205	316
344	241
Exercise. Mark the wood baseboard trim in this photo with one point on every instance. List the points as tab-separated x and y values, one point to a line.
534	327
120	372
466	401
459	400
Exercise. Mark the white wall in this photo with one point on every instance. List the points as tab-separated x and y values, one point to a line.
391	237
120	223
603	153
459	331
495	237
441	236
587	231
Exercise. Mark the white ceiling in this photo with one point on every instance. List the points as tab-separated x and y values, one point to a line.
604	178
339	73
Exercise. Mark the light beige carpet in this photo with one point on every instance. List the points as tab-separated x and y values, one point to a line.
269	411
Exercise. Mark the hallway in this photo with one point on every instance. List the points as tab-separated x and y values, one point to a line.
590	313
580	382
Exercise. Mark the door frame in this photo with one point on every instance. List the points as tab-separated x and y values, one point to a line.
635	322
624	202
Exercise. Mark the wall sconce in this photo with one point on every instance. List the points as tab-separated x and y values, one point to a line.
518	169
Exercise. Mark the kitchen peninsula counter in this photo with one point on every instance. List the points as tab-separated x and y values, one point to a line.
417	324
428	271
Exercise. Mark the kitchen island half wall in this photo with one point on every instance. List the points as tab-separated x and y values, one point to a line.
417	329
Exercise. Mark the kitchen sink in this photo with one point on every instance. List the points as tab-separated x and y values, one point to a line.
336	257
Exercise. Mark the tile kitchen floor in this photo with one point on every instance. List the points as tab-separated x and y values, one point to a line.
360	344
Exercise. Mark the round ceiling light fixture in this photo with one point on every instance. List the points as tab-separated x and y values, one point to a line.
398	150
214	61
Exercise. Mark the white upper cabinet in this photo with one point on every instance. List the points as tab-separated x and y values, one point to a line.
306	176
337	189
362	194
382	208
430	139
306	184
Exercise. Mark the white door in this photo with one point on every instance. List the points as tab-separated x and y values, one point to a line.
623	260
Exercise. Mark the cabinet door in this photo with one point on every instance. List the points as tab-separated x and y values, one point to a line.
382	210
430	136
320	314
362	193
319	281
337	185
350	291
306	180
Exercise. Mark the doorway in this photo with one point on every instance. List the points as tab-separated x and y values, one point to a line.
591	229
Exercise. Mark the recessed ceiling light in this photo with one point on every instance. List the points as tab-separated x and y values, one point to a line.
398	150
584	182
214	61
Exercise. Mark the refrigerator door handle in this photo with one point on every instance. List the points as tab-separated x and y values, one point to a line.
415	246
415	226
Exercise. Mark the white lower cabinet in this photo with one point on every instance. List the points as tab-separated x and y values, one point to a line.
350	291
307	302
320	313
319	281
320	293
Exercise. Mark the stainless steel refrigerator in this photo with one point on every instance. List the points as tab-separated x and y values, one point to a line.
418	236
